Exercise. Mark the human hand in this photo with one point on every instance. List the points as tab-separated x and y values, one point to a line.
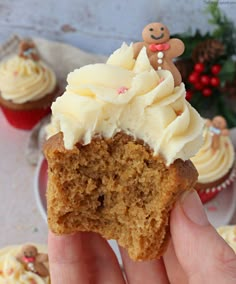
196	254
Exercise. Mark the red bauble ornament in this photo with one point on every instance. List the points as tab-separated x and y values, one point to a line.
199	67
215	81
193	77
207	92
215	69
205	79
198	86
189	95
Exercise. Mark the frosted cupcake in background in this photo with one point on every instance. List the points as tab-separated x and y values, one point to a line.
215	160
27	87
26	264
228	233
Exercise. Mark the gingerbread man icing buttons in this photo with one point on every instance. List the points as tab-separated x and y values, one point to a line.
217	127
33	261
161	49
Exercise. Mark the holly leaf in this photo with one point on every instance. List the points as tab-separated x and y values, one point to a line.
228	113
228	71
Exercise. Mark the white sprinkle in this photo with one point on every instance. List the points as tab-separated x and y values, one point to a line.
160	54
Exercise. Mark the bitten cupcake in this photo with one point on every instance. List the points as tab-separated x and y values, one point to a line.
215	160
118	154
24	264
27	87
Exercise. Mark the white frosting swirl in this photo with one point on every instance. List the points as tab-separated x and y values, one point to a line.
228	233
23	80
12	271
213	164
128	95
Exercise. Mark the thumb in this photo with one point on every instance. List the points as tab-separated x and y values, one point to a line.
204	256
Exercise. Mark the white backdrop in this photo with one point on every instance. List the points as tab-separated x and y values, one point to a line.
101	25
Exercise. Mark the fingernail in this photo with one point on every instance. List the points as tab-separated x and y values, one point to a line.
193	208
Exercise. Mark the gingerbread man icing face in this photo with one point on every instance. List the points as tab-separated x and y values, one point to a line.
161	49
155	33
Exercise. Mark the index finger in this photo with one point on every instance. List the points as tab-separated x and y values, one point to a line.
82	258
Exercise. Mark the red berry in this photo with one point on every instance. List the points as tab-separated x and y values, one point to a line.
205	79
189	95
215	69
193	77
199	67
215	81
207	92
198	86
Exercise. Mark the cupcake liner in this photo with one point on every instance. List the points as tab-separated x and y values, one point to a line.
25	119
209	193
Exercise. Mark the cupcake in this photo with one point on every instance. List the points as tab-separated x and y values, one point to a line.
215	160
228	233
26	264
27	87
118	154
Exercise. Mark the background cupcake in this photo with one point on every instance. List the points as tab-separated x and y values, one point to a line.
228	233
24	264
27	87
215	160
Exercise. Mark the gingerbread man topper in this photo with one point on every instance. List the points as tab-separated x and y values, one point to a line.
217	127
27	50
33	261
161	49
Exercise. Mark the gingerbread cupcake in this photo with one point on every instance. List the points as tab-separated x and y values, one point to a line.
24	264
118	154
27	87
215	160
228	233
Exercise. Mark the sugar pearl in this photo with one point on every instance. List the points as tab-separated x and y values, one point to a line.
160	54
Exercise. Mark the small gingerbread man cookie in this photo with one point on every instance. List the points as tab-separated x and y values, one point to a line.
27	50
217	127
33	261
161	49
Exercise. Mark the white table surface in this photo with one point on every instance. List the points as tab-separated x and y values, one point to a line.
20	219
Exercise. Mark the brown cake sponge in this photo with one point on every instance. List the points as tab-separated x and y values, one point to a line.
117	188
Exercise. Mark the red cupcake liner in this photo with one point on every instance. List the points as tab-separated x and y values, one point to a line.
25	119
209	193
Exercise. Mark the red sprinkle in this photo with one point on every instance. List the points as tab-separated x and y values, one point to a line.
178	112
122	90
15	73
10	271
212	208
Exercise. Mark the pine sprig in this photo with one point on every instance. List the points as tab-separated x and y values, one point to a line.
225	30
218	99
